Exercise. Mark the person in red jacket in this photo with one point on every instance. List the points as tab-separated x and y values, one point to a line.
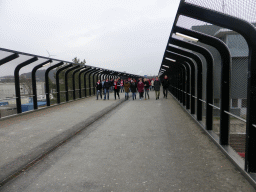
116	88
140	87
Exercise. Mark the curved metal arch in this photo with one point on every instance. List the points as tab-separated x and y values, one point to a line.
74	81
209	75
90	88
33	77
17	81
85	89
79	80
183	97
225	77
48	102
193	75
199	64
58	81
248	31
66	79
190	73
178	81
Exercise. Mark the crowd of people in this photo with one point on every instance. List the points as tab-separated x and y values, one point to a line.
143	86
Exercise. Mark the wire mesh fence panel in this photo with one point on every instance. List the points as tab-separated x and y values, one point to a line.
241	9
237	135
82	93
239	67
77	94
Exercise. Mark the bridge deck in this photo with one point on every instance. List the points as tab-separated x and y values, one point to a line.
150	145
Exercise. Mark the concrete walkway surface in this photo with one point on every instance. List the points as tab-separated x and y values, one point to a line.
25	138
148	145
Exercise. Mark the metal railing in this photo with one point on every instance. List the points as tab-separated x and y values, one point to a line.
29	64
223	45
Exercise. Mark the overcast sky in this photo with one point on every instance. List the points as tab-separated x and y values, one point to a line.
122	35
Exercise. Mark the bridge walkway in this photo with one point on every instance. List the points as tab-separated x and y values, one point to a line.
141	145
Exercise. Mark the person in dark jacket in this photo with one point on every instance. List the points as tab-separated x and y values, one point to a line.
133	88
146	86
106	87
111	85
116	88
165	84
157	85
98	89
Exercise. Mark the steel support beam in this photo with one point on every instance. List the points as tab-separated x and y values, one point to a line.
17	81
33	75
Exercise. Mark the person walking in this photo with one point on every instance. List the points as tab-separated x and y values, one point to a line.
157	85
116	88
111	85
126	89
99	88
152	84
133	88
140	87
165	84
146	86
122	85
102	82
106	89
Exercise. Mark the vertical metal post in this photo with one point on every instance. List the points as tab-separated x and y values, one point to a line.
58	81
85	93
74	82
47	91
209	76
90	91
225	77
66	80
17	81
199	67
33	75
80	83
190	73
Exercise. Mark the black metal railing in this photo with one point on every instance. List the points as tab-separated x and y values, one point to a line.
29	65
209	59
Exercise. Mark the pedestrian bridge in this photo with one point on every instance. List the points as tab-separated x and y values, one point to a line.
201	138
113	145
